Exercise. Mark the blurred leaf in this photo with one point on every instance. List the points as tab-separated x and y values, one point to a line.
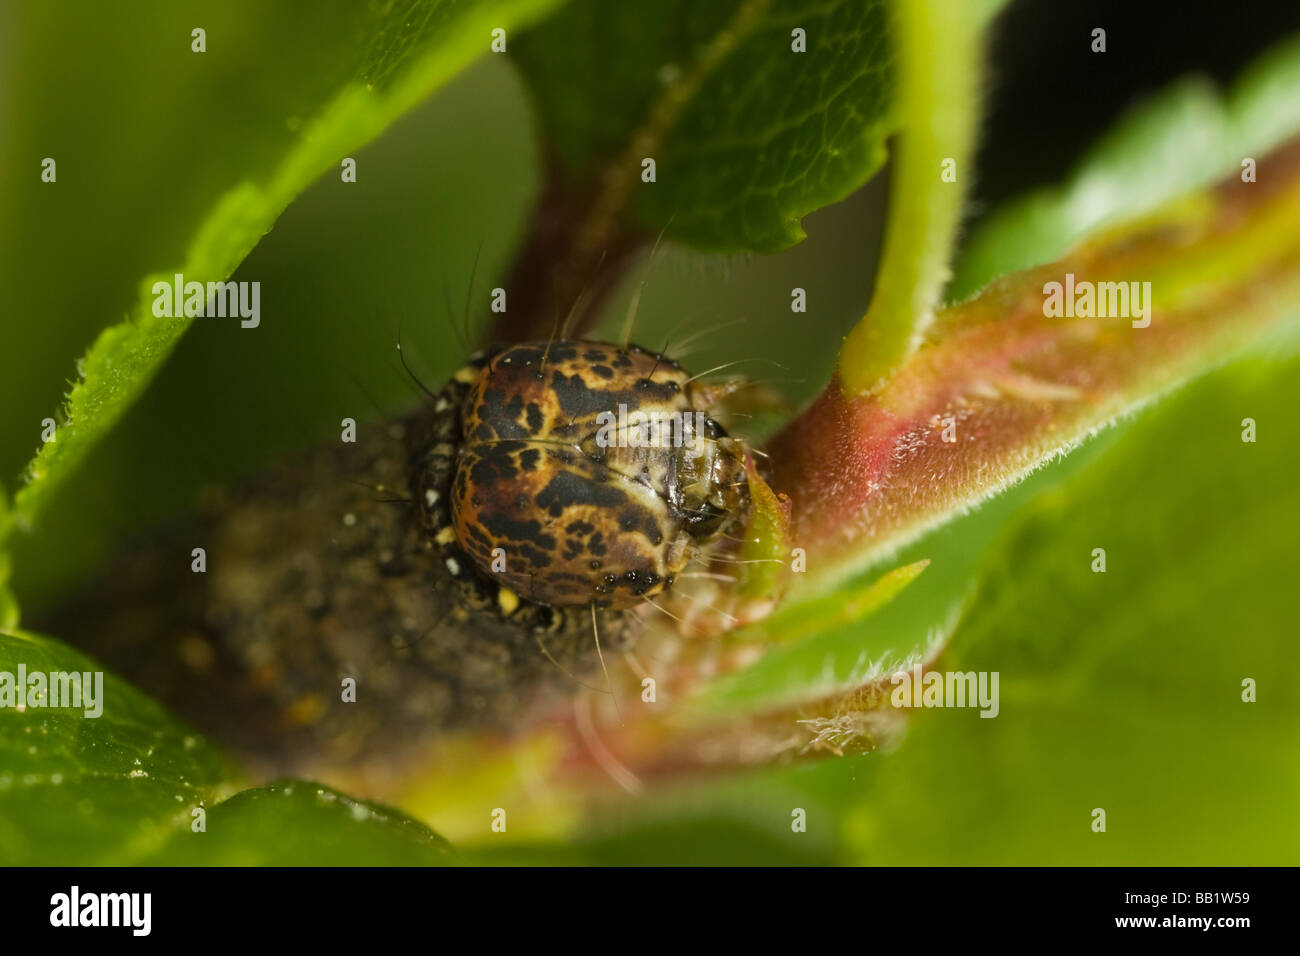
1181	140
8	604
675	835
1123	690
121	788
748	136
409	51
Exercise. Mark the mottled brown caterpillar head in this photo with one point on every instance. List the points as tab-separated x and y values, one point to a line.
587	472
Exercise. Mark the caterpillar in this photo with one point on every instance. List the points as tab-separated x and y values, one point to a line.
461	566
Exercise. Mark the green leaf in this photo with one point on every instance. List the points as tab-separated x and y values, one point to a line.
80	789
748	136
299	823
1123	690
118	781
811	649
344	268
1181	140
396	56
764	567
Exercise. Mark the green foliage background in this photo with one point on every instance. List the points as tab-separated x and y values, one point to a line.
1119	691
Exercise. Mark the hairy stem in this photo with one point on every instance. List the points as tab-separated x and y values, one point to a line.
1004	383
938	61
